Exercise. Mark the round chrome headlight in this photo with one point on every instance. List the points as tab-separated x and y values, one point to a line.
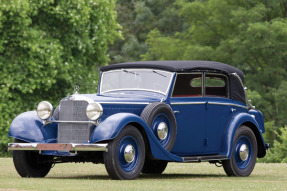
44	110
94	111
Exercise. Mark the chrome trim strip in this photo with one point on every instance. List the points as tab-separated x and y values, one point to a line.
203	90
238	77
56	146
90	147
22	146
229	104
187	103
137	103
212	103
204	160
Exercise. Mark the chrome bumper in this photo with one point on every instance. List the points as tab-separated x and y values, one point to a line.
56	147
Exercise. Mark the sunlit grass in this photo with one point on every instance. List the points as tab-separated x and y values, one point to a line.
177	176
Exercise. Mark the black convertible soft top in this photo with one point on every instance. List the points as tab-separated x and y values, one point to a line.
236	90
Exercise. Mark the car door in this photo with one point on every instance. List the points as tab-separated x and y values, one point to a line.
219	110
190	111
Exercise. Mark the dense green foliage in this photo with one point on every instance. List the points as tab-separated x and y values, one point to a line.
279	152
48	46
251	35
138	18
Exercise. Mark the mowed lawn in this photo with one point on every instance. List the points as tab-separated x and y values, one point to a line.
177	176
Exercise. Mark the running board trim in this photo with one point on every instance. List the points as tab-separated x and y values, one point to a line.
204	158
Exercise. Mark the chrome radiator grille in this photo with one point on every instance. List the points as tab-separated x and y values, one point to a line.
73	132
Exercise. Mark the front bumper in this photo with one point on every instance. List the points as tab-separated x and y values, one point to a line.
57	147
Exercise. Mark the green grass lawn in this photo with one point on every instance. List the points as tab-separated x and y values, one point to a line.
177	176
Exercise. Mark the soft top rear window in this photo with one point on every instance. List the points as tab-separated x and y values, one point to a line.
216	85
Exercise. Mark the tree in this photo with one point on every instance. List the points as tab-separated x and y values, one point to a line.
138	18
46	47
279	152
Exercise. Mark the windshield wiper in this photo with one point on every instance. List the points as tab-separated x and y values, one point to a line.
130	72
158	73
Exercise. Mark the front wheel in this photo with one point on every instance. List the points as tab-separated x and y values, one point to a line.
244	153
126	153
31	163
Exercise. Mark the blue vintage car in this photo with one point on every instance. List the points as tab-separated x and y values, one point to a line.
144	115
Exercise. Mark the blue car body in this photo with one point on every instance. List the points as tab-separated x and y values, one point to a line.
205	125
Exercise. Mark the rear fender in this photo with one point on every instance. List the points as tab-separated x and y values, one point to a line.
111	127
259	118
235	123
30	128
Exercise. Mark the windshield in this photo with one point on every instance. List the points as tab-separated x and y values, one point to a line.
136	79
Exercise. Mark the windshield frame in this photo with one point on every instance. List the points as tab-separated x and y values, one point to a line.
137	89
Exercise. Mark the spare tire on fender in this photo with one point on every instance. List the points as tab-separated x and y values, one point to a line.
160	118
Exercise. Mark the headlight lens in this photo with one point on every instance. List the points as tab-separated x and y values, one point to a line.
44	110
94	111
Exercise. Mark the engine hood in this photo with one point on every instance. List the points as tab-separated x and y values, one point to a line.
127	102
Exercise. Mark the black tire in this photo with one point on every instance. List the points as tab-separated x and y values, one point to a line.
115	162
236	166
154	166
149	114
31	163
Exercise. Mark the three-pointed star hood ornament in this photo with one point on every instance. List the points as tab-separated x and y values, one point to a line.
77	96
76	89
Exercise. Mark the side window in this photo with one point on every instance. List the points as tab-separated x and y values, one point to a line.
216	85
188	85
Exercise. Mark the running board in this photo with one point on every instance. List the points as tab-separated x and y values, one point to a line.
204	158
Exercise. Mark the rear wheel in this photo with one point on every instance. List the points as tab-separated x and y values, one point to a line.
244	153
30	163
125	156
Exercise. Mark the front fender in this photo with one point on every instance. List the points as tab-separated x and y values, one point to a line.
111	127
234	124
29	127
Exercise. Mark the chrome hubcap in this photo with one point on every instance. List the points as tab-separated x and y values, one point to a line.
243	152
129	153
162	131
